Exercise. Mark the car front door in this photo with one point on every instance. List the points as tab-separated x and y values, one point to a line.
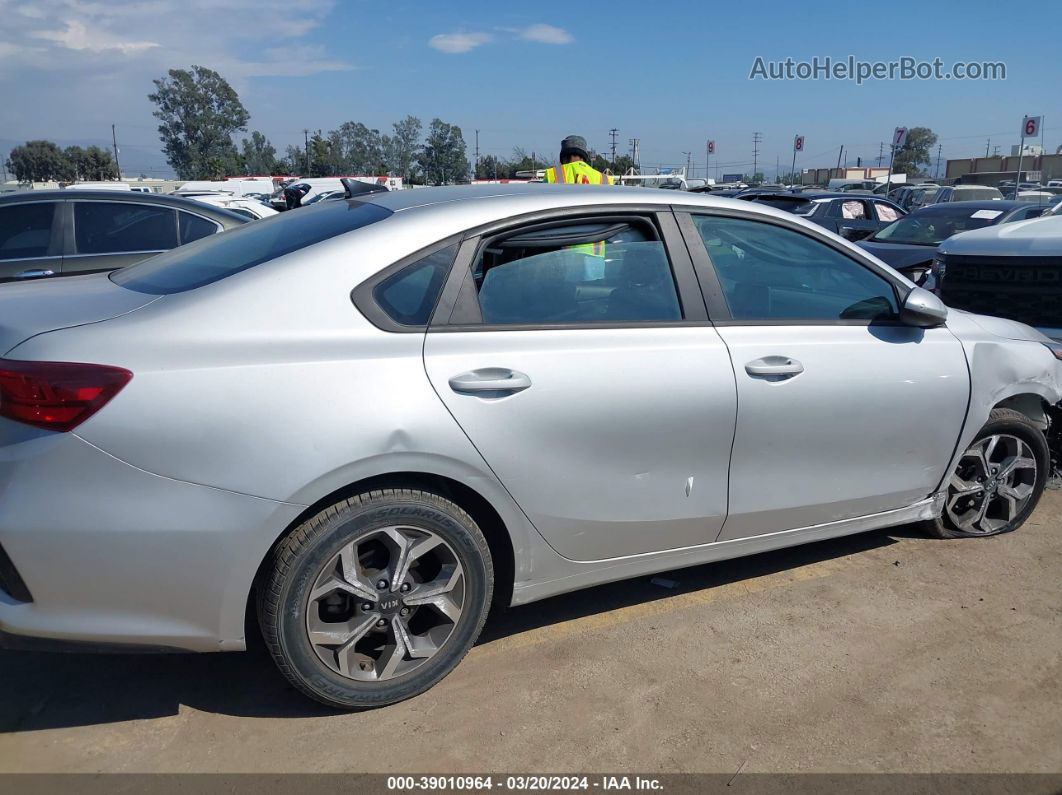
843	411
31	239
577	357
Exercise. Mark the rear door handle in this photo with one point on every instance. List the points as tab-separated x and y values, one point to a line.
774	365
490	379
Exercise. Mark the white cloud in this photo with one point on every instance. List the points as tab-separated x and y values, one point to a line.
455	43
546	34
78	36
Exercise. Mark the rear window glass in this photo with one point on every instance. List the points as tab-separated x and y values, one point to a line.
218	256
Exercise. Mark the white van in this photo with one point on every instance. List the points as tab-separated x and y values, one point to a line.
233	187
99	186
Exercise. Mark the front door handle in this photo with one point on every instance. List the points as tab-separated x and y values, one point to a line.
774	366
35	273
500	380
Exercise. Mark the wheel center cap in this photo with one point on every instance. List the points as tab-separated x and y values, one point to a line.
389	604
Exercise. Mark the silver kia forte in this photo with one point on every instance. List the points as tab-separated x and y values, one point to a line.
367	421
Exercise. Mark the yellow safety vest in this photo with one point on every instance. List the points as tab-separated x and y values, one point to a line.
577	173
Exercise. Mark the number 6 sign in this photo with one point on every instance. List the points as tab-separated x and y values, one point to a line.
899	137
1030	127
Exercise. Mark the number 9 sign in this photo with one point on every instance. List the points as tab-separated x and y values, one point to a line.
1030	127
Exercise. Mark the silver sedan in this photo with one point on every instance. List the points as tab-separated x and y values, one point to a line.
369	420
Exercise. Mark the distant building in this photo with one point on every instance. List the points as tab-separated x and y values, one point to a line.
1027	150
997	169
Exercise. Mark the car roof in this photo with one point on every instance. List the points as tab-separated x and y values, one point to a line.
472	205
133	197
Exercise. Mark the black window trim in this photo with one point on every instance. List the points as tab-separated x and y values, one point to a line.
458	307
364	300
719	310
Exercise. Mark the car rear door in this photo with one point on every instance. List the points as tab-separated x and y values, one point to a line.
31	239
576	355
843	411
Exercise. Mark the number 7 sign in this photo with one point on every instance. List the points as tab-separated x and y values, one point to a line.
1030	127
899	137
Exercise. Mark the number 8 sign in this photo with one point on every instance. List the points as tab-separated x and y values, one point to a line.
1030	127
798	143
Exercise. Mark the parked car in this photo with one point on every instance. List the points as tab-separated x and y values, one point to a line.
963	193
1012	271
280	435
920	196
61	232
909	244
857	185
250	208
852	216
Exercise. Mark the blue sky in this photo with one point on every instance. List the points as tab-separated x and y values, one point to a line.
671	74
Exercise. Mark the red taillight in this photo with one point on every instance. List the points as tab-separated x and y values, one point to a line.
57	396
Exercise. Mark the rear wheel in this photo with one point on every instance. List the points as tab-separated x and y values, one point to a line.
377	598
998	480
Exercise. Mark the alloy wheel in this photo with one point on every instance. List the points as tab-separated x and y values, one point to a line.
385	604
992	484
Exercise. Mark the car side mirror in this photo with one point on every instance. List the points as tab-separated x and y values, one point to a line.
923	309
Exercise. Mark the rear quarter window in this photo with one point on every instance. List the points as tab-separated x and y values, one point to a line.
218	256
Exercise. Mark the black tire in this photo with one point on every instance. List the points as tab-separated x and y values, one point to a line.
1014	423
298	559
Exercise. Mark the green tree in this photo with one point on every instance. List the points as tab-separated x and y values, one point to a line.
491	167
361	150
199	112
522	161
915	152
443	159
38	161
624	163
259	156
402	147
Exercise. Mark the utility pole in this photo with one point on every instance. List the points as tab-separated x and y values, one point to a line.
114	141
881	151
476	172
988	146
777	170
937	172
612	135
687	173
306	148
757	138
839	153
634	150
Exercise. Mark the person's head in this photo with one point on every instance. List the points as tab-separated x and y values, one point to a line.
574	148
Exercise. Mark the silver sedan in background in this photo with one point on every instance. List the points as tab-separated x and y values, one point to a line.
371	419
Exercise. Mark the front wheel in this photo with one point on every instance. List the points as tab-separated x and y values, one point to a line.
376	598
998	480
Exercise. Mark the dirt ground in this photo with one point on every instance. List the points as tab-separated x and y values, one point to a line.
887	651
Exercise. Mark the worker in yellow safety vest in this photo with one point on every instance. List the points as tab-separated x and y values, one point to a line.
574	168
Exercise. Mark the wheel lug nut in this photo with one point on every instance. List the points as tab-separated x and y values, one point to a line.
405	587
382	622
366	606
381	584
